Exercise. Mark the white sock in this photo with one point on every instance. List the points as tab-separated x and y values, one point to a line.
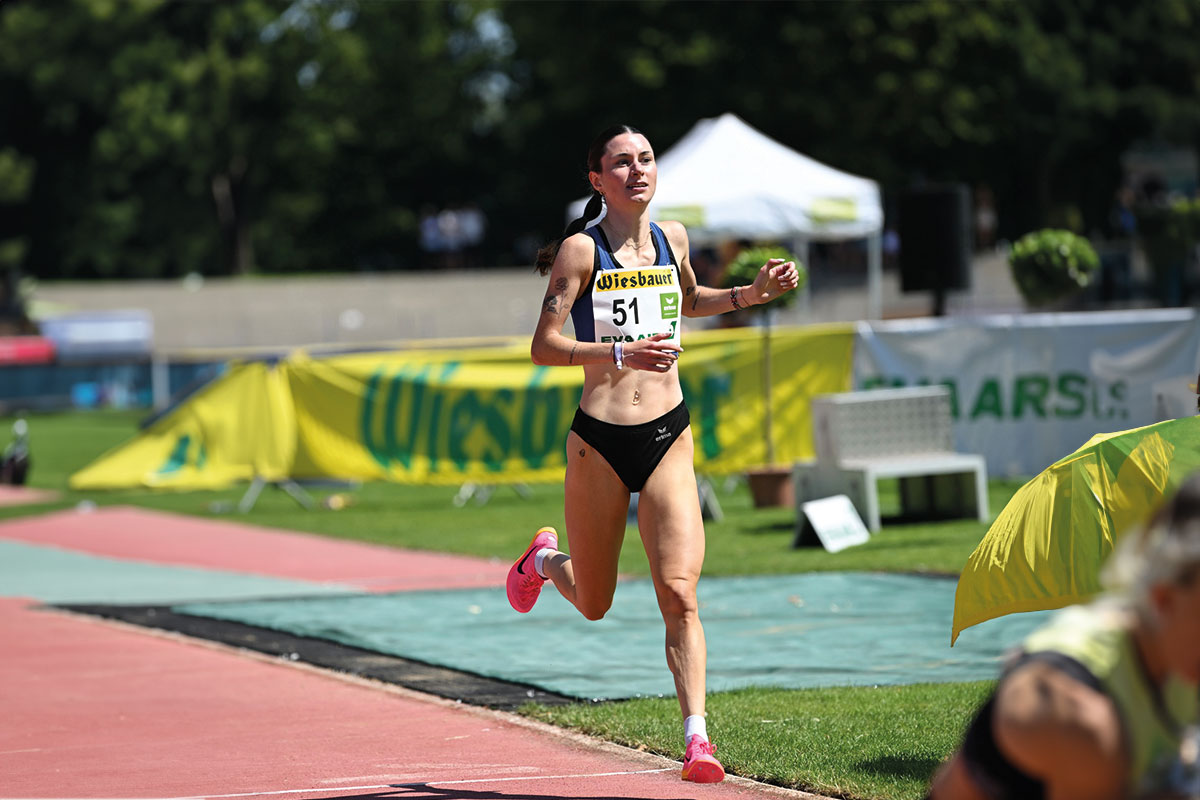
539	560
694	726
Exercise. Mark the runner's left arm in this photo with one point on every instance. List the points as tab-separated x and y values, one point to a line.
776	277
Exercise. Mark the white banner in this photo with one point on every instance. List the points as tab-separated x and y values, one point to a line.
1029	389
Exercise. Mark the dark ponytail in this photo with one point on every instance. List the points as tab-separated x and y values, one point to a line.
546	256
595	204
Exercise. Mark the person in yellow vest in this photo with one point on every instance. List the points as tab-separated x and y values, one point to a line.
627	283
1101	702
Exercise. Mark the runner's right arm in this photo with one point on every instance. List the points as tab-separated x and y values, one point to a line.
572	267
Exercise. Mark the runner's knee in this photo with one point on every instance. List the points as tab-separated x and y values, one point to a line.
677	599
593	608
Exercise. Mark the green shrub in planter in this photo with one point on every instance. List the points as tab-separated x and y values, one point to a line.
1168	232
1051	264
744	267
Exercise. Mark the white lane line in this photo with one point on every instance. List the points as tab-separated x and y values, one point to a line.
283	791
324	789
535	778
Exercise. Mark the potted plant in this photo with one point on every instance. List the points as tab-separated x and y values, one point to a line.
770	485
1052	265
1168	232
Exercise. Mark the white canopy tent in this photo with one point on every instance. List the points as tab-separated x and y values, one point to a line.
726	180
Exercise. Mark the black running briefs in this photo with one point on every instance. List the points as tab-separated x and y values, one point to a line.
633	451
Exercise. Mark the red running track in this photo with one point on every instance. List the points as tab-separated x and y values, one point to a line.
138	534
23	495
96	709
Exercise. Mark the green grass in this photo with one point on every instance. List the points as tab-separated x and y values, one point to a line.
850	742
880	742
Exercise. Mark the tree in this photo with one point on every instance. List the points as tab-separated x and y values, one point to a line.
1036	99
146	122
396	121
155	138
172	137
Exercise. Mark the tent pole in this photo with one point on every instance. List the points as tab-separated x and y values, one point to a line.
875	276
768	388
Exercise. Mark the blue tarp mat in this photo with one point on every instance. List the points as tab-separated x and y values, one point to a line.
52	575
793	631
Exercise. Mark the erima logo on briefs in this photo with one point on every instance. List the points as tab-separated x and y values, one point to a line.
611	280
662	434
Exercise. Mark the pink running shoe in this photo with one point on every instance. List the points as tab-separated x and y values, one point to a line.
699	763
524	584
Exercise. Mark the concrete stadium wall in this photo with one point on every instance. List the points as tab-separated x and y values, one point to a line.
287	312
295	311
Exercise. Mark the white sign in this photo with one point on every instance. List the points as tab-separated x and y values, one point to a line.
1029	389
835	521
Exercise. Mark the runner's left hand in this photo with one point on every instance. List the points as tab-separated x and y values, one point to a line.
776	277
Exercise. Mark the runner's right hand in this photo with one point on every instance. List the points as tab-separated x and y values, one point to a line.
652	354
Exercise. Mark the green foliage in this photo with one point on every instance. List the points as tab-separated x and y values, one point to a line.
744	268
225	138
16	180
16	176
871	742
1050	264
1168	231
167	137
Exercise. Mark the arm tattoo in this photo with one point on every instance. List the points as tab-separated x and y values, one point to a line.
560	286
557	304
696	299
571	360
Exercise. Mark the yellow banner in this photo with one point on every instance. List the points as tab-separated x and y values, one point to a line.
239	426
484	414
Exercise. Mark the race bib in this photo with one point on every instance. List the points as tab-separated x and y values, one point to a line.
632	304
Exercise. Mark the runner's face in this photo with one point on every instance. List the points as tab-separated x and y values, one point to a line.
628	172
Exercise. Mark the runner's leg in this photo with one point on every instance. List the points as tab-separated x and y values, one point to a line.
596	508
672	531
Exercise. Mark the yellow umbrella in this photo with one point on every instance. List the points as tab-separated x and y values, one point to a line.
1045	548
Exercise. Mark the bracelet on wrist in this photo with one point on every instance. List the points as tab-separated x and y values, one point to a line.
734	300
619	354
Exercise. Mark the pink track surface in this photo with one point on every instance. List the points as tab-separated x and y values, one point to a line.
138	534
22	495
95	709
